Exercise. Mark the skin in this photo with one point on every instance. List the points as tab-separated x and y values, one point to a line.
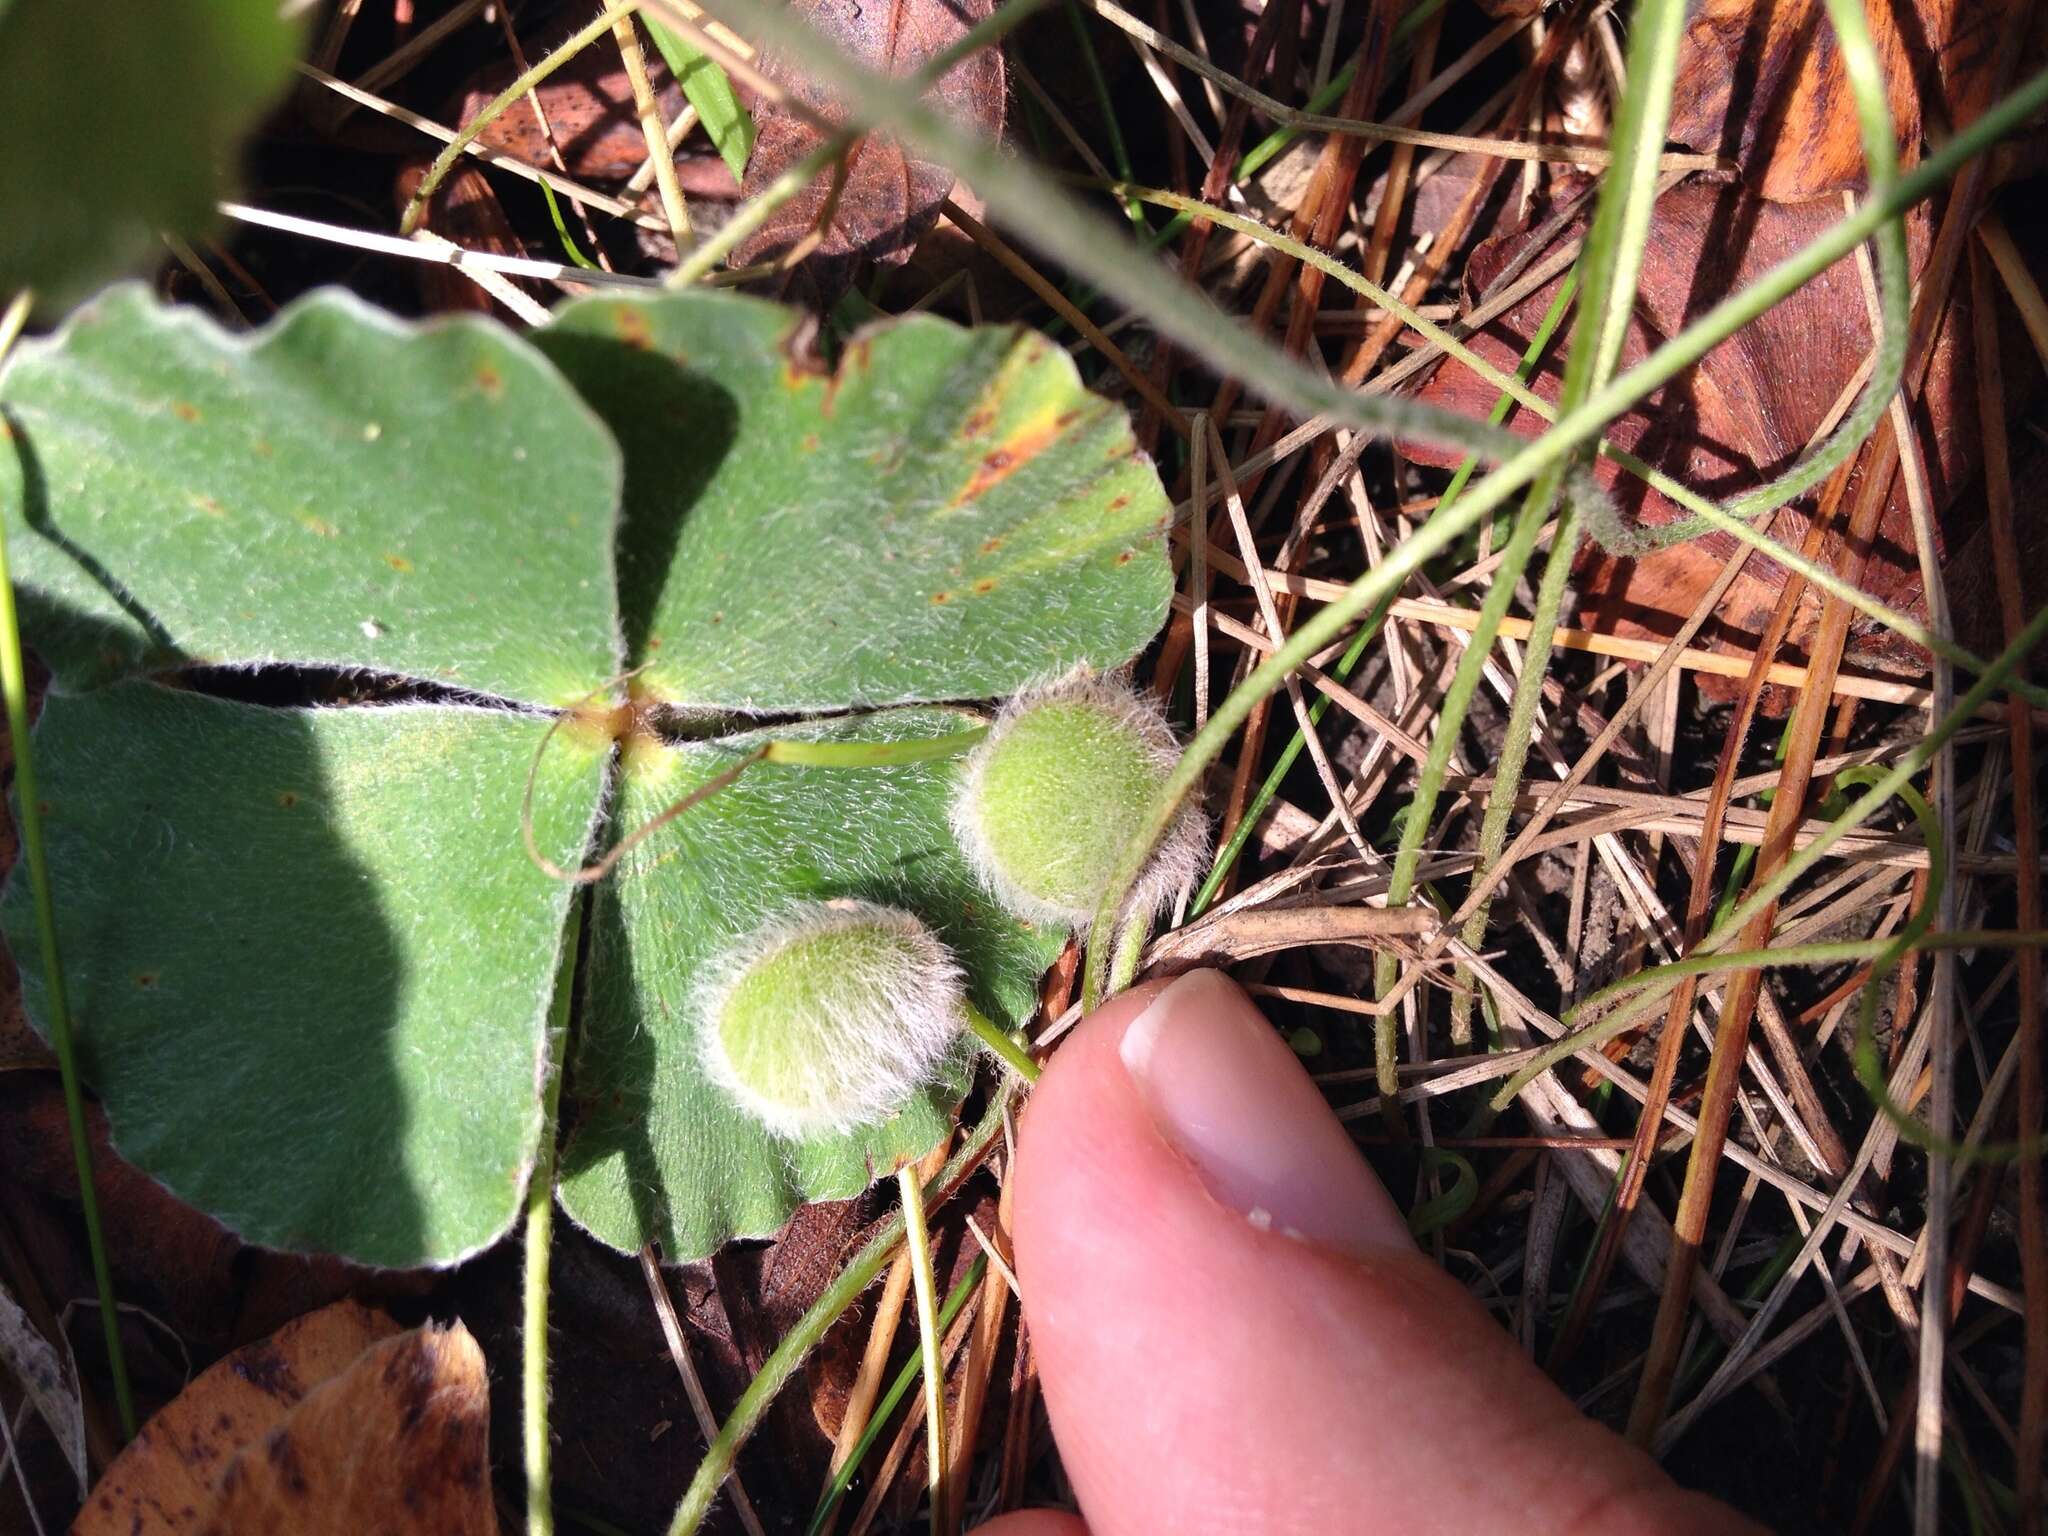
1235	1333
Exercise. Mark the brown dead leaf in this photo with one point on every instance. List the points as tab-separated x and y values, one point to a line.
1762	82
163	1483
399	1442
1744	413
889	199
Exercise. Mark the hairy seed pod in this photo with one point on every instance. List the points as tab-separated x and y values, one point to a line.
1054	794
829	1016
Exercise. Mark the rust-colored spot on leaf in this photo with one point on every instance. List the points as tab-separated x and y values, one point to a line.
1118	503
398	563
1124	558
942	598
288	798
318	525
1019	449
811	443
184	410
986	585
146	980
992	543
490	381
978	421
631	325
209	506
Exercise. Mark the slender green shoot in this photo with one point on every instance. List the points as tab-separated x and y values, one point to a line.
568	241
29	815
1003	1045
1457	700
1440	1210
1119	152
1247	824
539	1241
706	87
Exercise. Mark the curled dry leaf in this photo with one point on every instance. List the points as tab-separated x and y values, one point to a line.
1226	938
163	1484
888	199
50	1379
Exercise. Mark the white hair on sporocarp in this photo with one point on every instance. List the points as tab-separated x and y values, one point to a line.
872	1034
1181	854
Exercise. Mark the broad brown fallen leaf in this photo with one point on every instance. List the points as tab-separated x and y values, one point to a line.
398	1443
1762	82
163	1484
1743	413
888	199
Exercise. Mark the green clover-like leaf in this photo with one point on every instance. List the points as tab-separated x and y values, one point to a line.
947	515
348	953
309	966
338	490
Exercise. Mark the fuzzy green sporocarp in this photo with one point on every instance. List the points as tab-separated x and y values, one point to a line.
830	1016
1059	788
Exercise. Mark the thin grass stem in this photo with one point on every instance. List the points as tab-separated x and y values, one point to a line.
29	817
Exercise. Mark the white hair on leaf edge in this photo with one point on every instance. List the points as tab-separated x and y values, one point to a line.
1176	862
875	1035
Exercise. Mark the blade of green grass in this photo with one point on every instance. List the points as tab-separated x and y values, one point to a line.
707	88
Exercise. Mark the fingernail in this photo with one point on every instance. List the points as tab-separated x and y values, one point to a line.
1228	1094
